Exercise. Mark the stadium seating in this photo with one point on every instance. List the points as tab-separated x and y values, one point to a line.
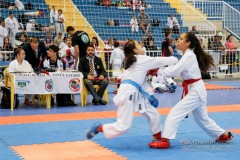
39	5
97	16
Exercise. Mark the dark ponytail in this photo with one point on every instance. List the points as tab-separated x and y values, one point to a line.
129	53
205	60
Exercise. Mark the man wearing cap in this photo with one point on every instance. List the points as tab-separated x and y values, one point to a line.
3	32
143	20
216	43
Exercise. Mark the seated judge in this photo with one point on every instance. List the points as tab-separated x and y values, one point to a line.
94	74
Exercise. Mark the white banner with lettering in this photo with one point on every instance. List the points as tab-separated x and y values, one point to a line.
64	82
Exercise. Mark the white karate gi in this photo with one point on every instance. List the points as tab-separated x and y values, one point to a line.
19	4
116	59
14	65
134	25
3	34
62	52
162	82
129	99
195	101
53	14
60	25
12	26
172	22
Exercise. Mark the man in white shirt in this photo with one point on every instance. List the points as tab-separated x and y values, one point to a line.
12	26
3	32
134	24
172	23
116	59
53	13
60	19
19	4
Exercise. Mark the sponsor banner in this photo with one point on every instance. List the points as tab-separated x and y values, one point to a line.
31	83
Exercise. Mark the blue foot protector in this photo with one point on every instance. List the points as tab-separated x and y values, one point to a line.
93	130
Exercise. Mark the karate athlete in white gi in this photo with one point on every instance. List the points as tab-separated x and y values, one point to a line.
60	19
194	60
116	59
163	84
129	99
12	26
134	24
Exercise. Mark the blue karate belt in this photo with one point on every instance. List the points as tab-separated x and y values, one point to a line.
153	101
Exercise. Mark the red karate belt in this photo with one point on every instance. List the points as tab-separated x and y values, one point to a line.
185	84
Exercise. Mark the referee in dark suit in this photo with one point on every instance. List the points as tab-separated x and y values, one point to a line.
35	51
92	68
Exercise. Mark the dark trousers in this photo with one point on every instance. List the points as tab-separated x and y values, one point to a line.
102	87
231	58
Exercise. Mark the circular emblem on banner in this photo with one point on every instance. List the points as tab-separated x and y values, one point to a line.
49	85
85	38
74	84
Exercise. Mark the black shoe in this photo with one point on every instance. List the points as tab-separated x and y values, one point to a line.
95	102
102	102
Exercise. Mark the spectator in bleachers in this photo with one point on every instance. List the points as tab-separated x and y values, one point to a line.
63	43
151	47
3	32
231	55
80	41
116	59
34	50
144	20
95	43
134	24
69	59
58	39
136	4
48	41
91	68
53	14
19	4
67	47
167	45
143	47
6	47
144	40
172	23
12	26
201	43
24	39
128	3
5	4
60	19
194	30
110	45
110	22
216	44
150	37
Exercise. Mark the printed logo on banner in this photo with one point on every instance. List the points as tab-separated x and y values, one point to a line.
49	85
22	83
74	84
